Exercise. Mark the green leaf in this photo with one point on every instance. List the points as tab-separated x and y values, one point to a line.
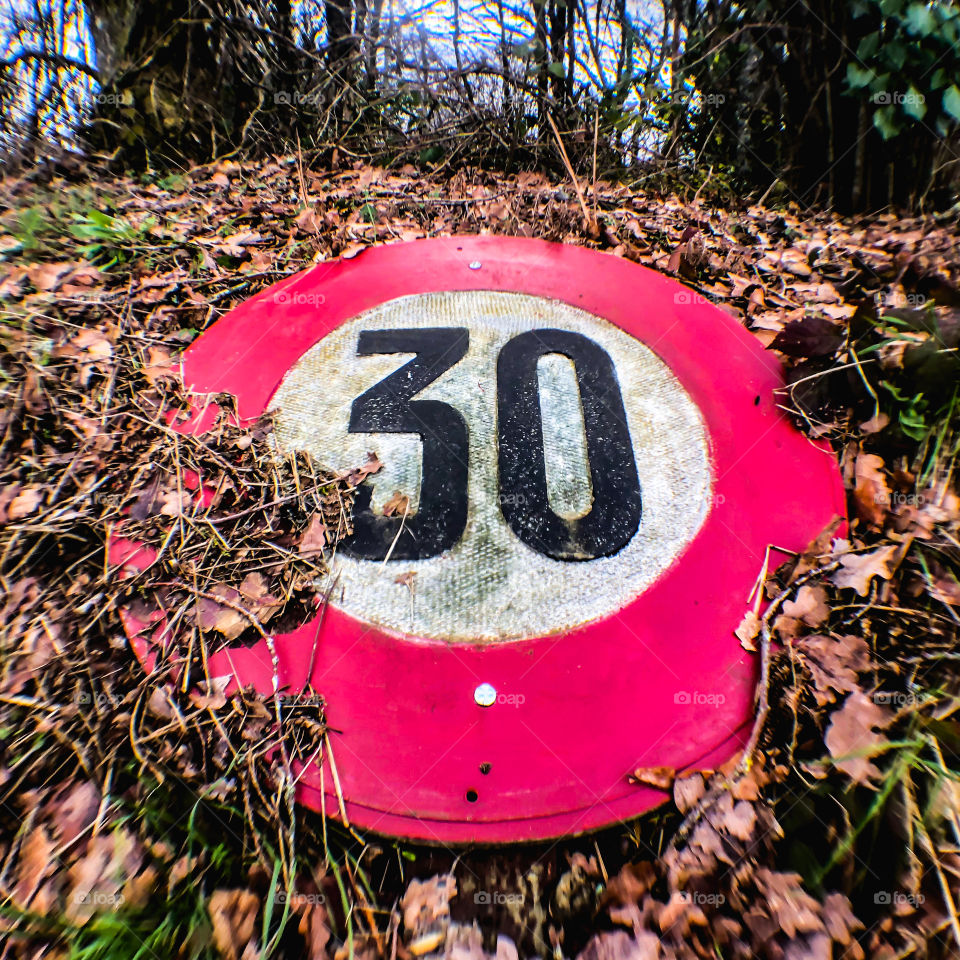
557	70
891	8
920	20
868	46
885	120
895	53
939	79
914	104
951	101
859	77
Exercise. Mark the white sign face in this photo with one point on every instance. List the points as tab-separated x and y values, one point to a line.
554	466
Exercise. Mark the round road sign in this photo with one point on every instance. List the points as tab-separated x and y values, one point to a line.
584	464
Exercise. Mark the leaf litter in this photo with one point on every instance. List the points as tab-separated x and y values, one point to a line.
155	810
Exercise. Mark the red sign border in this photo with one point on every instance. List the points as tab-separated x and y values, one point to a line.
661	682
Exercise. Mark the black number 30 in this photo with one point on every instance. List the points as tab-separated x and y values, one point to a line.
389	407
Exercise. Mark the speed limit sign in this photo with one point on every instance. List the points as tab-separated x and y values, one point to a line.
591	466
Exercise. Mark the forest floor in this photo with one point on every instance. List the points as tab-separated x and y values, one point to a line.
150	816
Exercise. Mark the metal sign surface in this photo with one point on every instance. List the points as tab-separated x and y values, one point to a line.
586	470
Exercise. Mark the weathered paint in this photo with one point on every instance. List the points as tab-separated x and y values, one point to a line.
491	586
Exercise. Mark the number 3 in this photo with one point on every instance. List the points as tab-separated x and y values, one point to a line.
389	407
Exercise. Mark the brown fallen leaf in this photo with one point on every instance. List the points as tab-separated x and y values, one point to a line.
817	549
425	908
834	663
661	778
871	492
809	608
876	423
748	631
160	365
854	733
397	505
233	914
619	945
314	538
46	277
680	914
856	570
27	501
791	909
210	693
35	863
98	879
688	790
74	809
314	927
226	618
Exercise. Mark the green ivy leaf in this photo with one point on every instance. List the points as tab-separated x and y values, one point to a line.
868	46
885	120
557	70
951	101
859	77
920	20
914	103
895	53
939	79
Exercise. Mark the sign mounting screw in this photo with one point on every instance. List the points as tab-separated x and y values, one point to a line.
485	695
475	265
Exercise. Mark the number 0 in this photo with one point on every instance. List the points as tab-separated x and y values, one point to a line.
615	514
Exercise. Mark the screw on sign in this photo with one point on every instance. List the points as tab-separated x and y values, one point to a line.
593	465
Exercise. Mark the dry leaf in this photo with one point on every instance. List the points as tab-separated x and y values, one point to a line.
858	569
314	538
661	778
871	491
834	663
809	608
748	631
687	791
398	505
24	503
233	914
854	730
210	694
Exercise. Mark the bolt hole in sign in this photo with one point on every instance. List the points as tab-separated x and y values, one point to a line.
594	466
